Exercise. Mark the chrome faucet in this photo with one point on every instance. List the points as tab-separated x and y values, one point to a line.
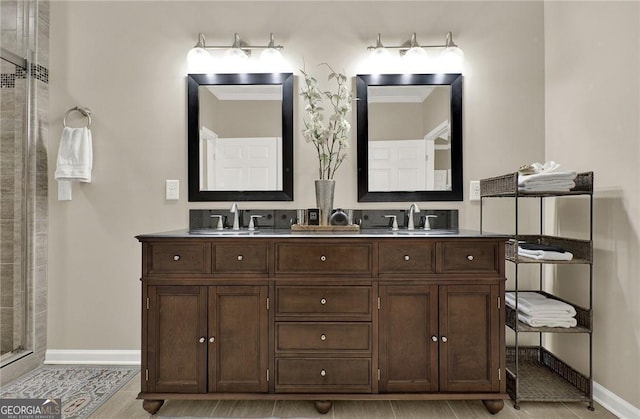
236	216
412	209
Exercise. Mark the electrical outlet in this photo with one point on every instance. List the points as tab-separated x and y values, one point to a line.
474	190
172	190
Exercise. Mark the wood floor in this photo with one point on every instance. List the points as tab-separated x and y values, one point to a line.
123	405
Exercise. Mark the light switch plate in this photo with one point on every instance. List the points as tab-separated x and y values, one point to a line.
172	190
474	190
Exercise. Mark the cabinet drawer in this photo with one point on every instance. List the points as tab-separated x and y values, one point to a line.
323	336
176	258
468	257
323	301
406	257
241	258
323	374
323	258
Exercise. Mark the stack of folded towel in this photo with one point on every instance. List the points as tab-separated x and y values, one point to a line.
539	311
545	177
543	251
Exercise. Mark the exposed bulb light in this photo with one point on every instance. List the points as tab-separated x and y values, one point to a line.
452	57
235	59
198	59
271	58
415	57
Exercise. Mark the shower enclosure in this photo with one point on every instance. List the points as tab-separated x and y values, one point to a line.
23	184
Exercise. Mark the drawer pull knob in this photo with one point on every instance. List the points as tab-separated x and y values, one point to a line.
202	340
470	257
176	257
212	339
323	258
444	339
323	337
240	257
434	338
406	257
323	373
323	301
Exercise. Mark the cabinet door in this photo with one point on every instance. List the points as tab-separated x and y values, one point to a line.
176	352
408	355
238	326
469	338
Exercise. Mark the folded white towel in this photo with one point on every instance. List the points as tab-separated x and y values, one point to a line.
75	160
539	305
547	322
568	175
545	254
555	186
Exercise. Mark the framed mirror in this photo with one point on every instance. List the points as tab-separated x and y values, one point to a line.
240	137
409	137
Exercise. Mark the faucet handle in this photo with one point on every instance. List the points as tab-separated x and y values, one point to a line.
427	221
220	226
252	225
394	225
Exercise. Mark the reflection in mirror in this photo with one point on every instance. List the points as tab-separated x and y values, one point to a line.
240	137
409	137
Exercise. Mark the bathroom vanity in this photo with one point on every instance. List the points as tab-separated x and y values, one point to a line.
284	315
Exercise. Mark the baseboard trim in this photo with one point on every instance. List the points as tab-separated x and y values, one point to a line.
95	357
613	403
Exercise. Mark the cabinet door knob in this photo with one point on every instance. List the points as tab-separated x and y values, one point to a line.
434	338
212	339
240	257
176	257
406	257
202	340
444	338
323	301
323	258
323	373
470	257
323	337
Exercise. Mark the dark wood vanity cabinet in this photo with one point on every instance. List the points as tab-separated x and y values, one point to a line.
322	318
206	339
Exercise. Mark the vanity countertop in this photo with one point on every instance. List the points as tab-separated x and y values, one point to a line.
287	233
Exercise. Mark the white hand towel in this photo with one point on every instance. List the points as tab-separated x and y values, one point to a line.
75	160
544	322
535	304
545	254
569	175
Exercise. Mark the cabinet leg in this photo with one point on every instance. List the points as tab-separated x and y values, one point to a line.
493	406
323	406
152	406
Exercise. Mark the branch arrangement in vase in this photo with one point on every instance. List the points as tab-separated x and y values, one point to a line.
331	139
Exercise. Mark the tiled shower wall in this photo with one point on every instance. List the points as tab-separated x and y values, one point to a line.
23	207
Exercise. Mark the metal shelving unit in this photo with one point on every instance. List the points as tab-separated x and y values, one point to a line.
533	372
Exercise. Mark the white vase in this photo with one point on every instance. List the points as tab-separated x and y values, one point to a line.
324	199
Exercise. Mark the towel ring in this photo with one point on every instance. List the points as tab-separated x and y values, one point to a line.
86	112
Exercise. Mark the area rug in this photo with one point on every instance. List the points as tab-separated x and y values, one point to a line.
83	389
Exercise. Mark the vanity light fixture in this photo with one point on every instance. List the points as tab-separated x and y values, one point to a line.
414	54
200	60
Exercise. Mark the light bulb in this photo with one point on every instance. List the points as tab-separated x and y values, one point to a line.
451	60
271	60
415	60
379	60
199	61
235	60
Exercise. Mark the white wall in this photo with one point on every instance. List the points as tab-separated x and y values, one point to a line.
592	111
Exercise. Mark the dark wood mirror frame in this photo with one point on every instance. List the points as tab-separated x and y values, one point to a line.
193	122
363	81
